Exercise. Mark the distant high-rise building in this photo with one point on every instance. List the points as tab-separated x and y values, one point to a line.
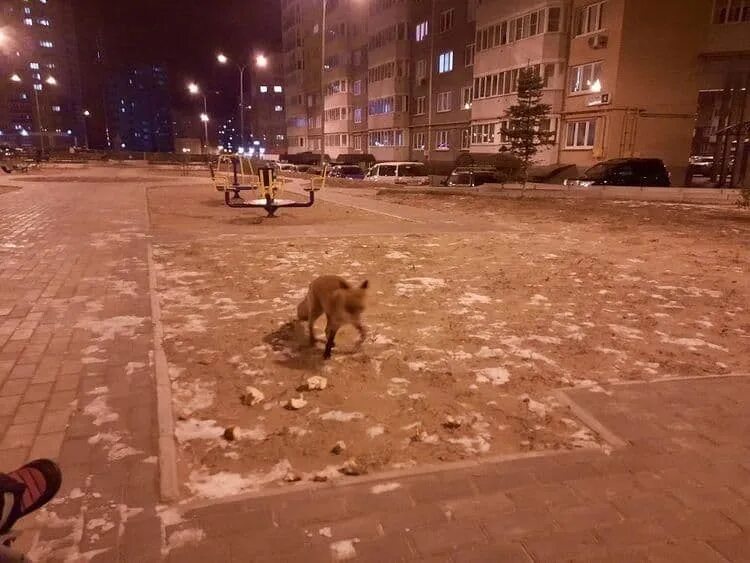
229	136
40	86
139	116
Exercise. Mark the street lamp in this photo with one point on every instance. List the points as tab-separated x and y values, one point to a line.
323	88
52	82
194	89
86	115
261	61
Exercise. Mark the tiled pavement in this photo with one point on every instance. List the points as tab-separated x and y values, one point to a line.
75	384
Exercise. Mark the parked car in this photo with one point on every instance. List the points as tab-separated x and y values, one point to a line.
625	172
346	171
403	173
286	167
701	165
472	177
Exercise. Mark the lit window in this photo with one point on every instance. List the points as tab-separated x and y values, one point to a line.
27	10
583	77
263	89
278	89
34	65
47	44
56	109
422	30
278	108
445	62
38	87
28	21
44	22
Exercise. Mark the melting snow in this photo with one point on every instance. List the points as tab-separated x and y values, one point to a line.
385	488
496	376
341	416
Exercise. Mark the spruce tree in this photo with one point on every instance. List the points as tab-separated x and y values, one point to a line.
525	119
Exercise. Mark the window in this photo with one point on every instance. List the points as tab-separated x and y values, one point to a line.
553	21
357	142
263	89
278	89
444	101
441	141
582	77
446	20
420	105
278	108
56	109
357	87
28	21
358	115
581	134
469	55
422	31
34	66
590	19
445	62
732	11
419	143
387	138
421	70
483	134
465	139
466	97
47	44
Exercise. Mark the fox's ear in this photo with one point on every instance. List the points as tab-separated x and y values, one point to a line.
365	284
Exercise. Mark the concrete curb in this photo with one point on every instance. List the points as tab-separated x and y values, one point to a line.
169	487
692	196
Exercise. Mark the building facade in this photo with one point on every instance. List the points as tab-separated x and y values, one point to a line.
139	115
432	79
40	88
267	107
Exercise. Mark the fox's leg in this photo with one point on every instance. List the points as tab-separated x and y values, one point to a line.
362	329
314	314
331	330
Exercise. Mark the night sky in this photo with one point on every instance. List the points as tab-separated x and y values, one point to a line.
184	35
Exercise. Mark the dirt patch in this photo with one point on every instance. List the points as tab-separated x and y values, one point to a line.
470	334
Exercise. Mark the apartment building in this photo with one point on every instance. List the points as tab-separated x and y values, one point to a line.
267	101
624	78
40	86
512	35
443	51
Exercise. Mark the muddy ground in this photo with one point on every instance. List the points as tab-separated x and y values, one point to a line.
470	331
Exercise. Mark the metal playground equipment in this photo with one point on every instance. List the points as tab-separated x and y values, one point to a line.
234	174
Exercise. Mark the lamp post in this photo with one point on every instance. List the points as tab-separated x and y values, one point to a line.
323	87
86	115
194	89
261	61
51	81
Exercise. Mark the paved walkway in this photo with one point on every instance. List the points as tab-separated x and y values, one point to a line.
76	384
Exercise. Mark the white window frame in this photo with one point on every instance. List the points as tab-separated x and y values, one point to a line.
589	134
467	97
445	62
420	105
422	30
357	87
446	20
444	102
589	19
465	139
418	140
469	55
578	75
442	140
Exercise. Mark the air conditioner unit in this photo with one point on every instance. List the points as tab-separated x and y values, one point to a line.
598	41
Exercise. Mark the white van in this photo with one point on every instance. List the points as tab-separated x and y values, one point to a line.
402	173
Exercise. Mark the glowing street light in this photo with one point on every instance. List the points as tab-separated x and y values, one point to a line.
222	58
86	113
194	89
15	78
261	61
51	81
204	118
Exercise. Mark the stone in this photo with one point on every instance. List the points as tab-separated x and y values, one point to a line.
352	468
316	383
230	434
296	404
338	448
451	423
252	396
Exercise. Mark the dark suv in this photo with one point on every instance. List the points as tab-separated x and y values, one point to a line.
472	177
625	172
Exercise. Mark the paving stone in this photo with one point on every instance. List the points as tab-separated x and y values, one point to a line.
733	548
448	537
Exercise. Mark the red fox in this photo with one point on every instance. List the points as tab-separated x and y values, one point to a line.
341	303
